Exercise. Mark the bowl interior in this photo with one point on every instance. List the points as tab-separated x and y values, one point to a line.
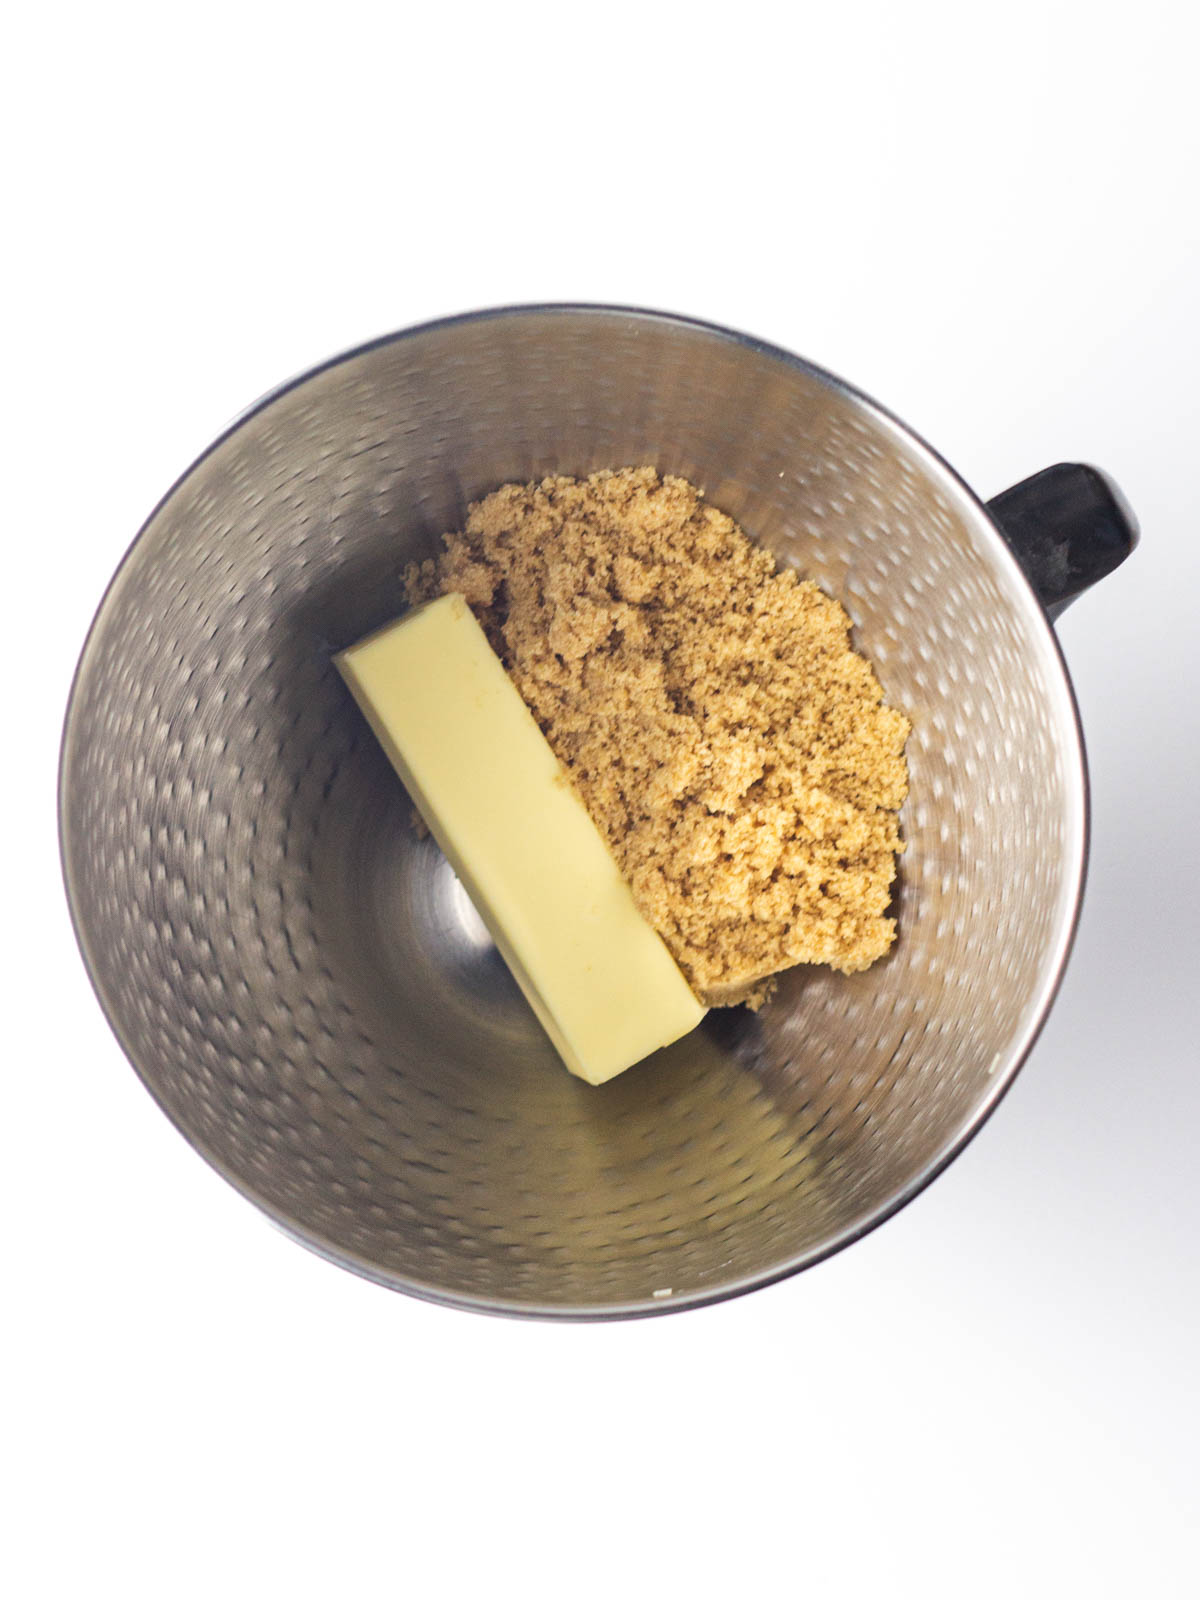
300	980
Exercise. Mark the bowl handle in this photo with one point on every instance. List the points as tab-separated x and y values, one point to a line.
1068	526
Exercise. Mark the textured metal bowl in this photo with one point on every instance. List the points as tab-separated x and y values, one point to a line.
303	986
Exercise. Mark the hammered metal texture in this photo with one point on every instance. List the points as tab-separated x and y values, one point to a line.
301	982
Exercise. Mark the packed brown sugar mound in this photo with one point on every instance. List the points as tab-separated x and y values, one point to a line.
730	745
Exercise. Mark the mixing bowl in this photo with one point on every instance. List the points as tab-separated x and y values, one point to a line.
298	977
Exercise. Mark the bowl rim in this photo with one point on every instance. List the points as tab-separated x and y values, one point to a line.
1077	847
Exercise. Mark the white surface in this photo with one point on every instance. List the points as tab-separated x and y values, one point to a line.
987	217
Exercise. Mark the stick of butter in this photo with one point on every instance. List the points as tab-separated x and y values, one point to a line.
603	984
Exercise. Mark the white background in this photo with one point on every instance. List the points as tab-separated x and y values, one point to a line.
988	218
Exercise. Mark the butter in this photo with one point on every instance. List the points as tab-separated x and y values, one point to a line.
601	981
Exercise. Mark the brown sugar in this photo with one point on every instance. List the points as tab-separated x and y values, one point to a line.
729	743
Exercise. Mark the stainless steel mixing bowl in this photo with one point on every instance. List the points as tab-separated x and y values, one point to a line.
302	984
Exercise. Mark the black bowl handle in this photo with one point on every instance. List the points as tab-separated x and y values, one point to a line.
1068	526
